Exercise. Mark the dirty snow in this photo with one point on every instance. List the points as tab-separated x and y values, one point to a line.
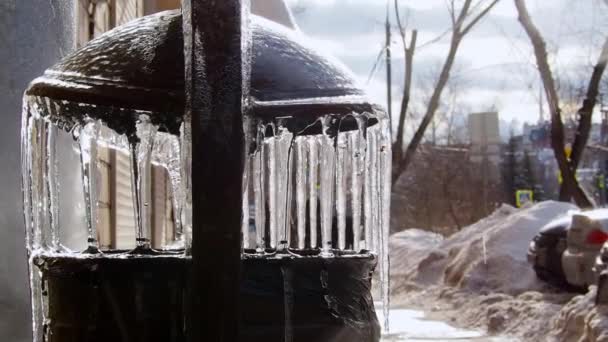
580	320
479	278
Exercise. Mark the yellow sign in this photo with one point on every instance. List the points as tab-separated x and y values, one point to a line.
568	151
523	197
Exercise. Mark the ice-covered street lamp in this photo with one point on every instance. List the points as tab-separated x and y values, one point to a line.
108	171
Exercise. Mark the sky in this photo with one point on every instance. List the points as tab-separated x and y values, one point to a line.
495	66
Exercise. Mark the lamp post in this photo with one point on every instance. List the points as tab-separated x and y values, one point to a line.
217	45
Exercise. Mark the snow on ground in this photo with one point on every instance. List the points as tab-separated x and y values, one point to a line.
479	278
415	326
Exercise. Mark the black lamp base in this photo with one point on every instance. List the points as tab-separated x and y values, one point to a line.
143	298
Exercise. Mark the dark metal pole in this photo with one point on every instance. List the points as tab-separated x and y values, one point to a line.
216	49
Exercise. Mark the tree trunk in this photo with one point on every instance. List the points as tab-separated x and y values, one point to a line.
405	100
570	185
431	109
586	111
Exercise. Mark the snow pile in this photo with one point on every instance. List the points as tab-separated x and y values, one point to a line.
479	278
490	255
580	320
409	247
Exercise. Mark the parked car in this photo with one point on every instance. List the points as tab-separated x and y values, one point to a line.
564	251
601	272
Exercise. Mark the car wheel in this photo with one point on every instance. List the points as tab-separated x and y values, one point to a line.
551	270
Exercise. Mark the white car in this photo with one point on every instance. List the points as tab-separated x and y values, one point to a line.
586	236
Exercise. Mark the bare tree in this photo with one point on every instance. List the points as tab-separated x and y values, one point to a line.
570	188
409	50
463	21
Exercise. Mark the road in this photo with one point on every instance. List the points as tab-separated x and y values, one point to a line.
412	326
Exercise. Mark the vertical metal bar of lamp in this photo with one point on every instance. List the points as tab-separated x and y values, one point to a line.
216	51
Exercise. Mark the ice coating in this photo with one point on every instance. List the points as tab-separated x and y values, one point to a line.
357	148
88	140
385	170
270	146
283	167
335	196
313	185
341	180
369	194
185	153
326	197
245	207
259	193
52	184
330	186
141	171
166	152
95	148
301	166
25	175
36	174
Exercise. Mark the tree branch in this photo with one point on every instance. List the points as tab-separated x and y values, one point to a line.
400	26
435	40
586	111
476	19
464	12
401	164
373	71
452	11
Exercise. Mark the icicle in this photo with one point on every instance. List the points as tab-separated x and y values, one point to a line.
375	189
341	188
32	157
327	186
88	137
245	205
369	193
39	190
52	179
26	154
258	191
270	146
167	153
357	155
283	159
301	190
141	173
313	186
385	173
44	214
185	157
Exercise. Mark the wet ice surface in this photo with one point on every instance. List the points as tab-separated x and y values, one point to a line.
412	325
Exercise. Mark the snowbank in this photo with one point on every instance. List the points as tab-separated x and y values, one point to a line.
490	255
409	247
479	278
